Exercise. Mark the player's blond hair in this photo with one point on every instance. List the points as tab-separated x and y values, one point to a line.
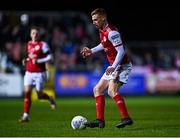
99	11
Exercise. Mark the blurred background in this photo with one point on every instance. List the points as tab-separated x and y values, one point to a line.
150	35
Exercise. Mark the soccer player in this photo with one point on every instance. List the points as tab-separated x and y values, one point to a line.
115	75
35	76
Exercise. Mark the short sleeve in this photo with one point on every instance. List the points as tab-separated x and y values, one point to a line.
115	38
45	47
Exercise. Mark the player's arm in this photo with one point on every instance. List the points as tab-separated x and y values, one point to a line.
115	39
24	61
87	51
47	58
97	48
47	65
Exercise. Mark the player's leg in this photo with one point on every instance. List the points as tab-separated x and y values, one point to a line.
39	84
99	98
119	77
27	104
27	97
43	95
119	100
100	104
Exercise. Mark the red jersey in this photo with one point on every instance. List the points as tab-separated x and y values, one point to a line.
35	51
110	38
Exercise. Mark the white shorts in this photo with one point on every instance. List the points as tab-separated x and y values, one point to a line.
35	79
121	73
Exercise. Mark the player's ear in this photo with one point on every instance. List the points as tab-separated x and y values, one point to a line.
103	18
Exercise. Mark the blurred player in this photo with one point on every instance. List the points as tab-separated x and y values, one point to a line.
38	56
115	75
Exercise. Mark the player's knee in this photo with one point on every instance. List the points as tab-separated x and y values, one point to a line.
111	93
27	89
97	91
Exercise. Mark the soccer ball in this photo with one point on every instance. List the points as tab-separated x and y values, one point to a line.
78	122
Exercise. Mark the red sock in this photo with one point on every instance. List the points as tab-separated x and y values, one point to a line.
27	102
43	96
100	103
121	106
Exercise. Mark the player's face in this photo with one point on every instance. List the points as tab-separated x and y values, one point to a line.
34	34
98	21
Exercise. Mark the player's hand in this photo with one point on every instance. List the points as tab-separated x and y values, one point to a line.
24	61
109	70
34	61
86	52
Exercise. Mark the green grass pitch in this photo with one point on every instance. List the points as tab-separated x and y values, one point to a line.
153	117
